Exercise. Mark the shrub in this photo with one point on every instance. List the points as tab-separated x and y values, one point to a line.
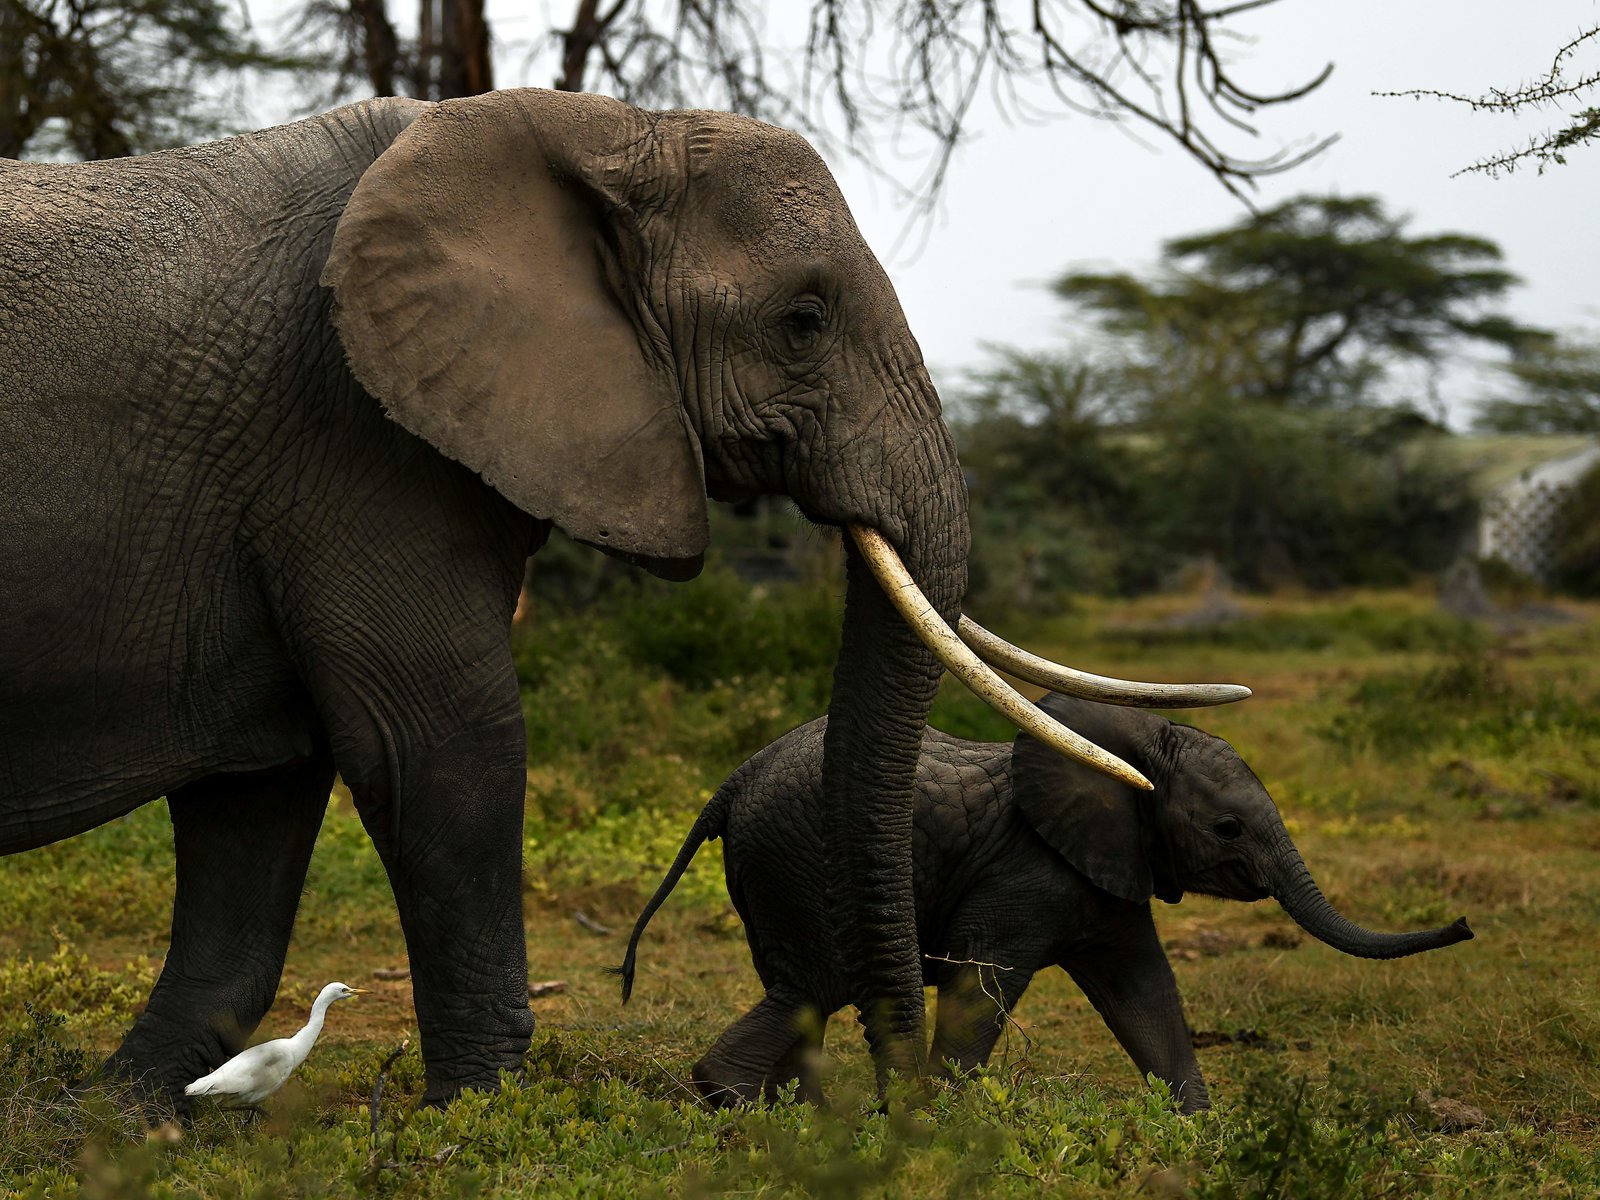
1466	701
1357	628
1577	539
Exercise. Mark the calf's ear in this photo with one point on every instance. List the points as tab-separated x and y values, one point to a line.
479	296
1098	825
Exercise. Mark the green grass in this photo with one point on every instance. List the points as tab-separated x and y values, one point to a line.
1428	769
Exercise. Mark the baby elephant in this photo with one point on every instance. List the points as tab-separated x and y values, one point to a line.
1023	859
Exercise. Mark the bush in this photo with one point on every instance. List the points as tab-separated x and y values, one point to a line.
656	691
1285	496
1274	495
1577	539
718	627
1356	628
1467	701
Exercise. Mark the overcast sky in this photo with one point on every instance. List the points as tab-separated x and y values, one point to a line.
1025	202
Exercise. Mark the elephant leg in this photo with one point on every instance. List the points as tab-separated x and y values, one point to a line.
243	843
752	1053
445	813
1131	986
801	1064
971	1015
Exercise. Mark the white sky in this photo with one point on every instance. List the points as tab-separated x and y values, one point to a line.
1026	202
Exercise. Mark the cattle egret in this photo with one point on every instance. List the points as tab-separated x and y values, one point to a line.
252	1075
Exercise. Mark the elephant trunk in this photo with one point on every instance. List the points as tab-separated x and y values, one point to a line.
883	687
1303	900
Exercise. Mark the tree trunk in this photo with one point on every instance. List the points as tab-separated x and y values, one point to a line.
576	43
380	48
464	66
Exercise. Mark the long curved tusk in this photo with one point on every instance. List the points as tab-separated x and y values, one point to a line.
966	666
1014	660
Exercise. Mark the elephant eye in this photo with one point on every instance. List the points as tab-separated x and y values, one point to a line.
1228	828
803	323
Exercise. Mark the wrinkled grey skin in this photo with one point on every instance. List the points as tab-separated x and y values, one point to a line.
281	419
1023	860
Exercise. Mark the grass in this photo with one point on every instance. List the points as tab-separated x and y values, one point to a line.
1427	768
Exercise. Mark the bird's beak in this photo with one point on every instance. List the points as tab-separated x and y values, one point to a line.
359	992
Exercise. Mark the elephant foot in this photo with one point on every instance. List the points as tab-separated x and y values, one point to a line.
472	1062
774	1044
718	1090
162	1055
157	1095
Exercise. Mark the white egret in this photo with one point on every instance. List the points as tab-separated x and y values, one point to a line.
252	1075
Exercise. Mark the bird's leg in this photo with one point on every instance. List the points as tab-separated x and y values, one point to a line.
243	843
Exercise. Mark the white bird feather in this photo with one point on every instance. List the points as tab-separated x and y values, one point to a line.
252	1075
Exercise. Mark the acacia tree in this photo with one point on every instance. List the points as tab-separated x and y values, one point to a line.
1304	305
104	78
1163	66
1559	386
1232	408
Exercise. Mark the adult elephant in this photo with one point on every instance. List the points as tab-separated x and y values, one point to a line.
228	574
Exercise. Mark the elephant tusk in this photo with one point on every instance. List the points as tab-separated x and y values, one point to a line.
1014	660
966	666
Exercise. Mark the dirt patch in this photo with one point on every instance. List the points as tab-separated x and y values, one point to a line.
1204	943
1246	1039
1282	939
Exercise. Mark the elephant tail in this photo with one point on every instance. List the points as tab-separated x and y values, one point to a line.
708	825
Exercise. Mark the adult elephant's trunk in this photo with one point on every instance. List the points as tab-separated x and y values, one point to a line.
883	687
1303	900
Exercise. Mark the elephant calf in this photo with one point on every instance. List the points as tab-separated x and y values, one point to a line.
1023	859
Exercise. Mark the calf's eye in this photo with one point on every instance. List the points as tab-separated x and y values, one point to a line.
1228	828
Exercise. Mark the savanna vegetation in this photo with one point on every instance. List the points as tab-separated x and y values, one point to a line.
1263	403
1429	767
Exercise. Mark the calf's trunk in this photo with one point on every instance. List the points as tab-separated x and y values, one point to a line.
1303	900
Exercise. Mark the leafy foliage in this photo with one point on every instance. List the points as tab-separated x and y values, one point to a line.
1052	483
1303	305
1559	382
1359	628
1232	409
106	78
1467	701
1286	497
1577	538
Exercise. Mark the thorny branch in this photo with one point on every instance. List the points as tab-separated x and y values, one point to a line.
1547	91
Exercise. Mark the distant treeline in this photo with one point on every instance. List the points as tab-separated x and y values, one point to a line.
1261	401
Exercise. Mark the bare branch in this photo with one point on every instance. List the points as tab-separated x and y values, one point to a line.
870	69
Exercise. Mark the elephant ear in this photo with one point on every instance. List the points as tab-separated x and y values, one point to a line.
1098	825
472	274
